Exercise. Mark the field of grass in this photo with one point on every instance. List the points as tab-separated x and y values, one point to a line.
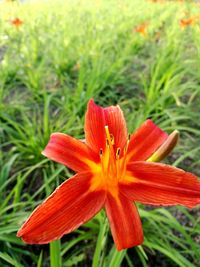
63	54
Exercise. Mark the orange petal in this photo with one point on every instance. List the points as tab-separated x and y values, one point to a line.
160	184
69	206
95	121
145	141
69	151
124	221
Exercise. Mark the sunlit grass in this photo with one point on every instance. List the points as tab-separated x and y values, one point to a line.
64	53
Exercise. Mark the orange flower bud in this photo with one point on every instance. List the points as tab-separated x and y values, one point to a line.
165	148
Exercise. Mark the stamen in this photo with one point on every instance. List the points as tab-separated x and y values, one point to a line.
123	164
118	153
101	158
118	162
111	150
113	160
109	139
112	139
127	144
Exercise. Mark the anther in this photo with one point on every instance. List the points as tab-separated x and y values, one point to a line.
112	139
107	142
118	153
101	158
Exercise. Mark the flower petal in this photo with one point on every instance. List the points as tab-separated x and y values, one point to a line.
145	141
160	184
69	206
124	221
69	151
95	121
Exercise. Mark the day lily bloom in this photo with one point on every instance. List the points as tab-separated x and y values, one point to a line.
157	1
114	170
187	22
16	22
142	29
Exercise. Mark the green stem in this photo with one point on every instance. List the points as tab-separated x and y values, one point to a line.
55	254
100	242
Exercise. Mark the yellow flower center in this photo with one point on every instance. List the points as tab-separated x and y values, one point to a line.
112	166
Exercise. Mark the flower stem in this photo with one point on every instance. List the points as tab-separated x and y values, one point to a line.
100	245
55	254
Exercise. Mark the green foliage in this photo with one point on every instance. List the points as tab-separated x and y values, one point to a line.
64	53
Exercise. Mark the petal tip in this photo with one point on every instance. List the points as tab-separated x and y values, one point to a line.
19	233
149	121
43	153
91	102
135	243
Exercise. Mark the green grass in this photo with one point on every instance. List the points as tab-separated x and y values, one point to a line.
65	53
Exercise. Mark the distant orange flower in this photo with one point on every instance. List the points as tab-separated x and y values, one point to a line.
187	22
16	22
157	1
142	29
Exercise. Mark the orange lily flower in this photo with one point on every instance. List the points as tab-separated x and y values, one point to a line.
157	1
186	22
16	22
113	171
142	29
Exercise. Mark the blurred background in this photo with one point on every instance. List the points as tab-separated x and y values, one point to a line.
55	56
